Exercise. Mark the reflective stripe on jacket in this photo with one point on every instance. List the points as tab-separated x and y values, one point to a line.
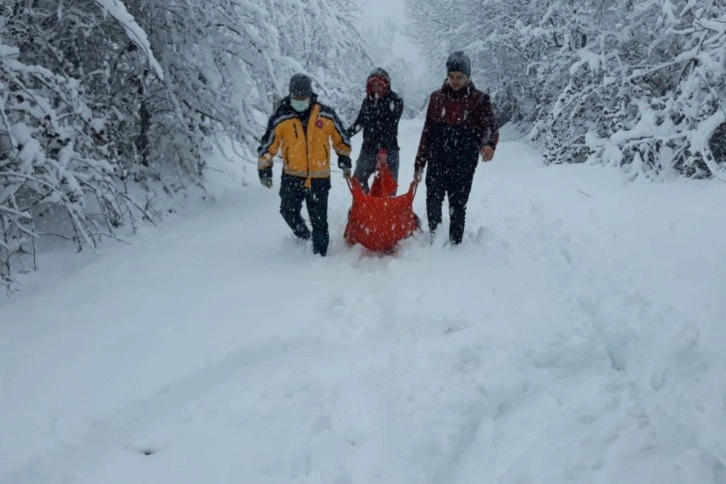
305	152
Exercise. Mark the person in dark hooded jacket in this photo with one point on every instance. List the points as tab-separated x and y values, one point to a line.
378	118
460	126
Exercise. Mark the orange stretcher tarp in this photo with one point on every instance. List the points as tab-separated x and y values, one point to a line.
379	220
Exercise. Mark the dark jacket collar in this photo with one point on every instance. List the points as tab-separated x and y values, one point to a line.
388	95
464	91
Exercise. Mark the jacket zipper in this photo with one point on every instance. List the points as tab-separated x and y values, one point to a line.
307	156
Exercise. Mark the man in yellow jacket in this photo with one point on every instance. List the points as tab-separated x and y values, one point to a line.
303	130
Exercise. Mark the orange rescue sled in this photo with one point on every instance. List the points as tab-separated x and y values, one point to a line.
379	220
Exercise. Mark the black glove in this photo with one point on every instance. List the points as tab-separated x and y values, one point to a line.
266	177
344	162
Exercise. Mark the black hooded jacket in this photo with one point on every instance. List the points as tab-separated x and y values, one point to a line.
378	118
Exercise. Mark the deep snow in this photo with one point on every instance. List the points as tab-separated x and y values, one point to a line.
577	335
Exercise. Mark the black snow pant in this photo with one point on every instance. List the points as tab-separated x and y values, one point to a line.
292	194
452	178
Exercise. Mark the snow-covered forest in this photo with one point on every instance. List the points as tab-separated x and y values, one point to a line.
633	83
109	108
166	316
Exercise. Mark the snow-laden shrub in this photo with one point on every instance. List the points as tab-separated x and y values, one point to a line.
54	163
637	83
106	101
649	99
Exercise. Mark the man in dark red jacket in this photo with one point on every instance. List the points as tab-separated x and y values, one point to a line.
460	125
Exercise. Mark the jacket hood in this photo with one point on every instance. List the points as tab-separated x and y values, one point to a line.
379	72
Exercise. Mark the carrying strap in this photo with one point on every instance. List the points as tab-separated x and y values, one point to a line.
412	188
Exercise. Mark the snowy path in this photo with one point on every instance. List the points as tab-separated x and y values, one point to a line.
576	336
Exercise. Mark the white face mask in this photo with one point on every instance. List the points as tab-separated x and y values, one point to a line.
300	105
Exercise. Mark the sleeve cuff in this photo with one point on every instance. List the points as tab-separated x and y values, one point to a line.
264	162
344	162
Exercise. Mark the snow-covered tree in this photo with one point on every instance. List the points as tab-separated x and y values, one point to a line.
488	31
58	164
323	38
104	102
639	83
648	92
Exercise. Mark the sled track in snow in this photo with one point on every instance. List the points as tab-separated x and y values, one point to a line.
116	430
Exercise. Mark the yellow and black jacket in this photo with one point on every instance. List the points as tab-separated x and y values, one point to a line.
304	140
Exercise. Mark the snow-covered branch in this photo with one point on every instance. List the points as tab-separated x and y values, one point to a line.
638	84
137	35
